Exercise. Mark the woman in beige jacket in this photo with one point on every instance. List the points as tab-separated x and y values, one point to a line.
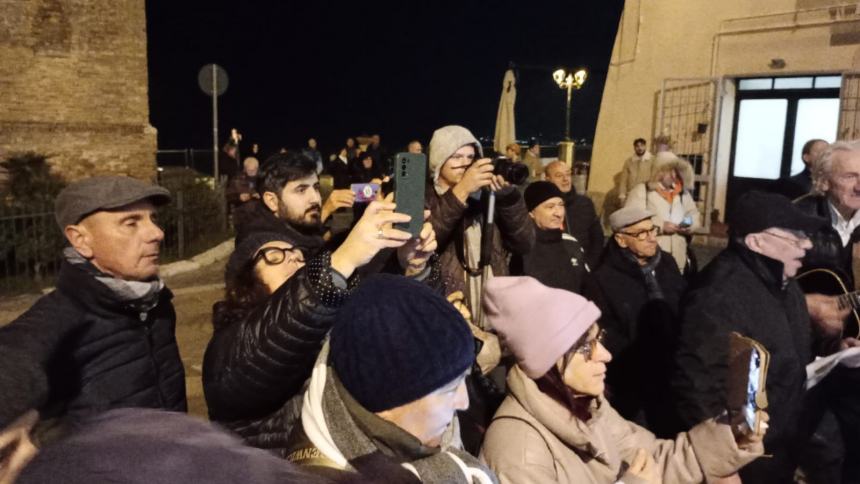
555	426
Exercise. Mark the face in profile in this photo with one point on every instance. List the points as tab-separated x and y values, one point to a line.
299	203
428	417
123	242
585	372
276	262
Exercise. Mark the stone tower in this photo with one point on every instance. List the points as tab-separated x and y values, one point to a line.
73	84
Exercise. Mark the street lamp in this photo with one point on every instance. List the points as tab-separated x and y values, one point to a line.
569	81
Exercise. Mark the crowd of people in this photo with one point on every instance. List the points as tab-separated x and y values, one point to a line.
509	341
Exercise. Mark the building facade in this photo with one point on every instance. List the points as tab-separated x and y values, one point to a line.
74	85
736	86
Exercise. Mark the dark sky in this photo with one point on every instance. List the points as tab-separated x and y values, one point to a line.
334	69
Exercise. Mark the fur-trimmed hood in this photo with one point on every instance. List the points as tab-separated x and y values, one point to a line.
665	159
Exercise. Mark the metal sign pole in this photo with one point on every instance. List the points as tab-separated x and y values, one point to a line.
215	122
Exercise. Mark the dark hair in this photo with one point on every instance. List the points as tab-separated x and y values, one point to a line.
280	169
533	143
639	140
243	292
807	147
553	385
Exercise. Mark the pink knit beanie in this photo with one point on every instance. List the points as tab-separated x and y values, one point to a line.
537	323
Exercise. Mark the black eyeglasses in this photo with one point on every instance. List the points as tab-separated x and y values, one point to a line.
277	255
586	349
644	234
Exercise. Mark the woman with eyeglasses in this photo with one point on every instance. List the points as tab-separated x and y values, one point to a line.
555	426
283	291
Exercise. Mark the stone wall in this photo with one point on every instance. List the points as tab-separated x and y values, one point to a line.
73	85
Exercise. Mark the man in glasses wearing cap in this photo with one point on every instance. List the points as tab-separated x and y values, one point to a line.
638	289
750	288
105	337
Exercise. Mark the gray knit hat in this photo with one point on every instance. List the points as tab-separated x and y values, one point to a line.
445	142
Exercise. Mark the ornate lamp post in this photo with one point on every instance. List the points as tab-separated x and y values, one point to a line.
569	81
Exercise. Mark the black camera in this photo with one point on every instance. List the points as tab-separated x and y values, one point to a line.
513	172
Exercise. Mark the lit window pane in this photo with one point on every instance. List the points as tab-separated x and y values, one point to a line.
755	84
761	129
828	82
816	118
792	83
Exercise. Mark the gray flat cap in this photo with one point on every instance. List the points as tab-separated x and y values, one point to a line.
628	216
90	195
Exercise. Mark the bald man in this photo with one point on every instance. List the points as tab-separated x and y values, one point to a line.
581	219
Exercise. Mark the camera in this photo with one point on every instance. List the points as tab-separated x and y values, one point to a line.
514	173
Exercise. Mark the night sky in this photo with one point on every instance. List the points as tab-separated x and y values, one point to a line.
402	69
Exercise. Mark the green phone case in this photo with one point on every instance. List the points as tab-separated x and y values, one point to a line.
410	175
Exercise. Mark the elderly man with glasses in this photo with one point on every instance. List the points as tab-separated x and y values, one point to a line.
638	287
750	289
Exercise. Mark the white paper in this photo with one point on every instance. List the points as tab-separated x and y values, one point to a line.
819	368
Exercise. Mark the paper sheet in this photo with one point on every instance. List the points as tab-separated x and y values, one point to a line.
819	368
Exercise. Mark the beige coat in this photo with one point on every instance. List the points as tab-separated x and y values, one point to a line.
535	440
645	195
636	170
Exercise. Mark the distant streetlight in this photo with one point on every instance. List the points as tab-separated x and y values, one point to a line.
569	81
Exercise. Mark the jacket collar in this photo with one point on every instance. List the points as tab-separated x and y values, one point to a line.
770	271
583	437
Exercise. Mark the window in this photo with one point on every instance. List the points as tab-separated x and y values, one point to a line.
801	82
760	135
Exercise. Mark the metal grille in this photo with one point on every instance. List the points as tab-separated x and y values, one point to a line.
686	116
849	107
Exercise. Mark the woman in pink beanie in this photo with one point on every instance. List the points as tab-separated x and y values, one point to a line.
555	425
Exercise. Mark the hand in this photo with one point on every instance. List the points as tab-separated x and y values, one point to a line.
477	176
458	300
669	228
16	448
372	233
413	256
752	441
849	343
343	198
498	182
826	313
644	467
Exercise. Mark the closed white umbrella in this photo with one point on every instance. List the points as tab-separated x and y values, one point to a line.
505	128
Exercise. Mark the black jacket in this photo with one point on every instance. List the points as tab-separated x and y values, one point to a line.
79	349
257	361
641	333
743	291
582	223
339	172
556	260
827	250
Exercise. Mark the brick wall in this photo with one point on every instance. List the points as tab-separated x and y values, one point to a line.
73	84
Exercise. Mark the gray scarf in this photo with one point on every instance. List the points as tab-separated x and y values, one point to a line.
649	271
140	296
350	436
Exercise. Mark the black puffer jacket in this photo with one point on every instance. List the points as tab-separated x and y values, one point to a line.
641	333
256	362
582	223
827	250
743	291
80	349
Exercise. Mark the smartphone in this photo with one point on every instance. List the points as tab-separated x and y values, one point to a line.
364	192
686	222
410	172
750	408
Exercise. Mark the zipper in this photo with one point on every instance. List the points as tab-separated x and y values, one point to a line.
147	334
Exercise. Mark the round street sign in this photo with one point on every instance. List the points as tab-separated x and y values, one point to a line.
210	73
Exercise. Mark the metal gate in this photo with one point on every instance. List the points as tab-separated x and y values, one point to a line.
686	116
849	107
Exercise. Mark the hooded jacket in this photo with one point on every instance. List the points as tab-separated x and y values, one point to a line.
80	349
646	196
458	225
535	439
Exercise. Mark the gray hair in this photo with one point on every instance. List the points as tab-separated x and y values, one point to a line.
822	168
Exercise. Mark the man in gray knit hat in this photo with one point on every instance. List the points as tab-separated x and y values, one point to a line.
104	338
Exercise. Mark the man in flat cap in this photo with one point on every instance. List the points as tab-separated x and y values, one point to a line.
750	288
638	288
105	337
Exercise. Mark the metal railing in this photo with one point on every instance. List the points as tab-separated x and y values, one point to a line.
31	244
